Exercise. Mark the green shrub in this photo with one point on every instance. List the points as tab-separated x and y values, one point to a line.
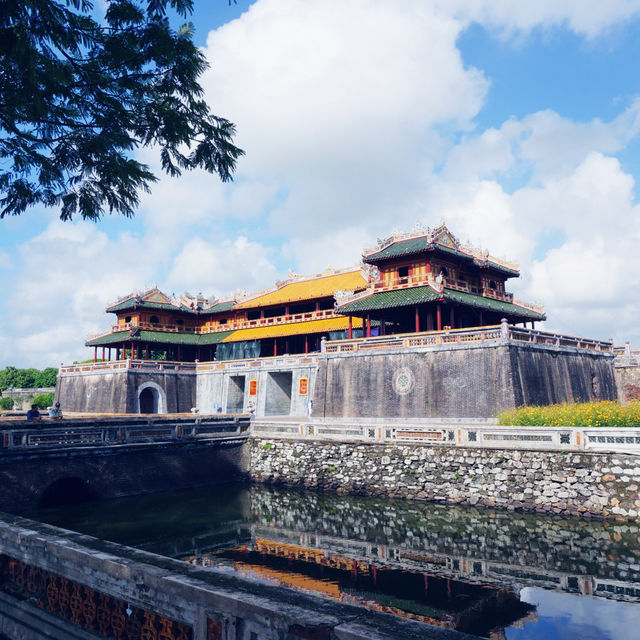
6	403
43	400
586	414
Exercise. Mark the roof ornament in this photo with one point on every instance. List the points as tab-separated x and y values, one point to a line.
341	296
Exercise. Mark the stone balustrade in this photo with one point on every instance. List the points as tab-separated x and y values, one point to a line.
17	436
492	333
483	434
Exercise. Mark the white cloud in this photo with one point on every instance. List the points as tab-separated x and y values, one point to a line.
347	112
68	274
590	18
338	101
222	267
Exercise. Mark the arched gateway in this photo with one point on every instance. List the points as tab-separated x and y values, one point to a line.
151	398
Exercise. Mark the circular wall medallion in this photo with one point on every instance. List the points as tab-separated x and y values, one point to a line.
403	381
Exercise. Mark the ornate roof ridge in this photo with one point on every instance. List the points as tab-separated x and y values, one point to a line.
432	236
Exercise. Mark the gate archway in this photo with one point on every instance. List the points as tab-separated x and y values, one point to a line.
151	398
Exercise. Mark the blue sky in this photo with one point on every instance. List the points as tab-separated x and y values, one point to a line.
517	124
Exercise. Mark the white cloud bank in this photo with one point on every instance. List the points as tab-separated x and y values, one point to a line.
358	118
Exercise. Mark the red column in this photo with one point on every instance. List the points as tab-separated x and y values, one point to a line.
95	354
306	344
417	320
438	318
368	326
350	333
102	354
452	320
275	346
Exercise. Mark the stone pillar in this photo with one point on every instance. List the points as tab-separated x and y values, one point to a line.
504	329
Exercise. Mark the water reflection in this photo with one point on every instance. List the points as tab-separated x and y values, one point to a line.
462	568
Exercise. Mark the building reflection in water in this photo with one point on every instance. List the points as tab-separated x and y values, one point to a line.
460	568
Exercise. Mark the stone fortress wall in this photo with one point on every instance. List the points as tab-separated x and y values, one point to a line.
22	398
468	374
473	380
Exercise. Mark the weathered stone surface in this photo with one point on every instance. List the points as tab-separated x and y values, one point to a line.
454	475
471	380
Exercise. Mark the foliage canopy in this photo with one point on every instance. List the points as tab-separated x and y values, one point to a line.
13	378
79	93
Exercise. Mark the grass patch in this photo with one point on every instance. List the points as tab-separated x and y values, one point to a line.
586	414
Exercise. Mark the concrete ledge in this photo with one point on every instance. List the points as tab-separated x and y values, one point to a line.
192	595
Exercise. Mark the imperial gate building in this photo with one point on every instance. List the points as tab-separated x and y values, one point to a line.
423	327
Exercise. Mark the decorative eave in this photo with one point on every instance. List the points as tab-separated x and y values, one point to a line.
154	299
397	298
440	239
157	337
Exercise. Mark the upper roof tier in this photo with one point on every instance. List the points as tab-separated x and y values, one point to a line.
299	288
439	240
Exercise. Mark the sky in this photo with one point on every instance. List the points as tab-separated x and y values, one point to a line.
517	124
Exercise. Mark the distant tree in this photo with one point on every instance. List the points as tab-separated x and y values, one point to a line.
8	377
26	378
6	403
43	400
46	378
79	93
13	378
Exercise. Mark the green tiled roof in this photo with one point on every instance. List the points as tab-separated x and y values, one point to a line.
159	337
413	246
407	248
489	304
391	299
420	295
220	306
132	303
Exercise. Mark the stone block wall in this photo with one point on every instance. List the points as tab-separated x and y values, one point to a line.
277	388
117	391
461	380
586	484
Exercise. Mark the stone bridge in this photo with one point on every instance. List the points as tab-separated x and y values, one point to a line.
58	462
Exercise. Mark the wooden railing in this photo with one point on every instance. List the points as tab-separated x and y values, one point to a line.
231	325
429	280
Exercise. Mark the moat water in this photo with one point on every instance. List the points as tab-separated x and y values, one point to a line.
491	573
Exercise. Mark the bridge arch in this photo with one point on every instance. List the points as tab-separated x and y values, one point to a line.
67	491
151	398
